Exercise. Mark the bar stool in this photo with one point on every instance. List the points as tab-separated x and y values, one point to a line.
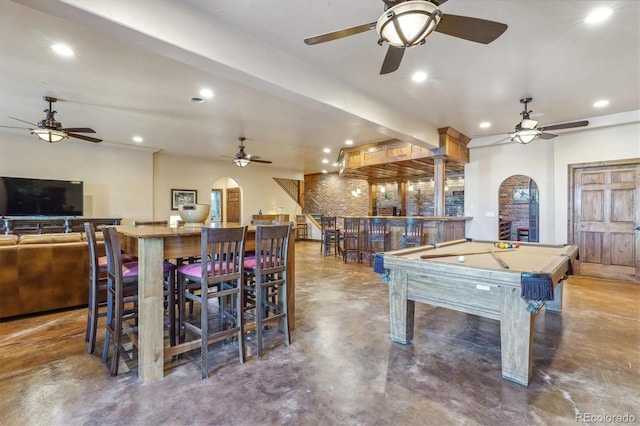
302	227
413	232
523	233
97	285
220	277
351	238
266	281
330	235
122	298
378	233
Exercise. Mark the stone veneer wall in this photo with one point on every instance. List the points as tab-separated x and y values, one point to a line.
330	195
420	200
517	213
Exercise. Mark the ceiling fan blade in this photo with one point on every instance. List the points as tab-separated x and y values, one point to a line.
392	59
546	136
334	35
565	125
85	138
472	29
253	160
501	141
14	127
17	119
79	130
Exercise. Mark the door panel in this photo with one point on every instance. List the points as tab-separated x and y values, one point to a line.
605	216
233	205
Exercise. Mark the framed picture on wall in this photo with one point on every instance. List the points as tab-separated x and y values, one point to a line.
183	196
521	195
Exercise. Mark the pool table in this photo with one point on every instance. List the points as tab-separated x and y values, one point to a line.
487	282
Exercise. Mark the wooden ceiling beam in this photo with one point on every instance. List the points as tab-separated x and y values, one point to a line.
395	160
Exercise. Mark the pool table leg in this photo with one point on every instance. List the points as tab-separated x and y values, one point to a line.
401	310
516	337
555	305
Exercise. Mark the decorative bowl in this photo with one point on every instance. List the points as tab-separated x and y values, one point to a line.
194	214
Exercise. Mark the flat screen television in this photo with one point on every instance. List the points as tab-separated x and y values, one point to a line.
40	197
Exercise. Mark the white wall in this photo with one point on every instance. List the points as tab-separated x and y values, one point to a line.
545	161
258	189
136	185
117	183
604	144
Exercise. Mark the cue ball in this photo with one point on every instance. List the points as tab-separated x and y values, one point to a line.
460	258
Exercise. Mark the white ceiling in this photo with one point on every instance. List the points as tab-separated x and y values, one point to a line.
137	63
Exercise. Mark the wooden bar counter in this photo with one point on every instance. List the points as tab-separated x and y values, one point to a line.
436	229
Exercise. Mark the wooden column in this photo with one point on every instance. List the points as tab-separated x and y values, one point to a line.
438	185
373	199
403	199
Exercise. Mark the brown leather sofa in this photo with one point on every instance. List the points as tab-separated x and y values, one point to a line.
44	272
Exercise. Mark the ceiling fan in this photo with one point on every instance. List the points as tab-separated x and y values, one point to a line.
50	130
407	23
527	130
242	159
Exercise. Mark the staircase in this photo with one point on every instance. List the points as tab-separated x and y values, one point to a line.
294	188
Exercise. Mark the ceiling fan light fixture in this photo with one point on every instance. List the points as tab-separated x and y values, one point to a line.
525	136
528	124
241	162
50	135
408	23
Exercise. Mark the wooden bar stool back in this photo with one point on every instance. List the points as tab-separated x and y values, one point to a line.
351	238
97	288
330	235
302	227
96	306
378	236
413	232
266	281
220	277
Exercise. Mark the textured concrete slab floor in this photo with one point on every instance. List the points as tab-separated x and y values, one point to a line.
342	368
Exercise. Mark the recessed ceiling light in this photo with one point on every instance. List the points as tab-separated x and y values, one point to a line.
419	76
62	49
137	139
601	103
325	161
598	15
206	93
324	171
326	150
348	142
197	100
485	125
336	164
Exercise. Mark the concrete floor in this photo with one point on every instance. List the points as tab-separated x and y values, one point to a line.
342	368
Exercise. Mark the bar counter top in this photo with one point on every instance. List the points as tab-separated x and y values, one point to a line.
427	218
437	229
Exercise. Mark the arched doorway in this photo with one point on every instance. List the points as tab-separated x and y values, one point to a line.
519	209
226	200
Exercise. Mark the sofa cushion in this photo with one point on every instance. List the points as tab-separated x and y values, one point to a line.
72	237
8	240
